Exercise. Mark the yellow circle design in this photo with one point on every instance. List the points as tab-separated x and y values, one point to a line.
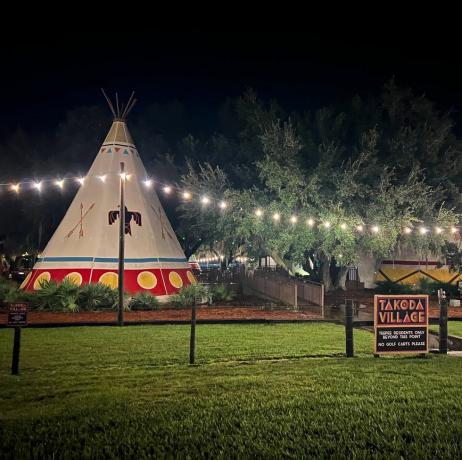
175	279
110	279
191	277
45	276
26	281
74	277
147	280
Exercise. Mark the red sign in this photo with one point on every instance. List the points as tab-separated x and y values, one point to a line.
17	314
401	323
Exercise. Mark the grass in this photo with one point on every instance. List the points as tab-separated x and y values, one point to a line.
258	391
454	328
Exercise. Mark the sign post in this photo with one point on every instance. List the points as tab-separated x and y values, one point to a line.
443	322
17	317
401	324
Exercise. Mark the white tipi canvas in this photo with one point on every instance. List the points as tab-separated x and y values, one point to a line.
84	248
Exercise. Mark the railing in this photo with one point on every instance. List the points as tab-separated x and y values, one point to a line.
311	292
272	284
280	289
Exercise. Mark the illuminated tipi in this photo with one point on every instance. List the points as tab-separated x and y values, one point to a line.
85	246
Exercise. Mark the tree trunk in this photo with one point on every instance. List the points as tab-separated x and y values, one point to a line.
325	272
341	278
367	268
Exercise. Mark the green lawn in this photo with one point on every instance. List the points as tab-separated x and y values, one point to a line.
258	391
454	328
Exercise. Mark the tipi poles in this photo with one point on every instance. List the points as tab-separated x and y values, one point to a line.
120	318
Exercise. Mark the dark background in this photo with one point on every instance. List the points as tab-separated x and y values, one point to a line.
183	73
51	70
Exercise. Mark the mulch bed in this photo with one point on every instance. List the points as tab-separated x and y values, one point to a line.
203	313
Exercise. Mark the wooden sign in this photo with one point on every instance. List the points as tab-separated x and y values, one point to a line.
17	313
401	323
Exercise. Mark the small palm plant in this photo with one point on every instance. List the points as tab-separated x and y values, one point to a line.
144	301
190	295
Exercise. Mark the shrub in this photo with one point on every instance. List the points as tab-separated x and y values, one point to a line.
96	296
10	292
222	294
189	295
144	301
427	286
388	287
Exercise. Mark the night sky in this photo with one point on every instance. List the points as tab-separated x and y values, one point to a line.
201	66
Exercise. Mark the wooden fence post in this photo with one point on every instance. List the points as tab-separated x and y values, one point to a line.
349	328
443	330
192	339
16	350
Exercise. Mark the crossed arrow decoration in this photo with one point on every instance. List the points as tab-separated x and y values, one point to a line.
80	222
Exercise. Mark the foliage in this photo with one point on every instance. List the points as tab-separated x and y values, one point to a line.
189	295
144	301
8	290
129	392
355	165
222	293
54	296
96	296
424	286
389	287
453	255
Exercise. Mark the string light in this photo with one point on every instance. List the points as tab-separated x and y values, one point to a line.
186	195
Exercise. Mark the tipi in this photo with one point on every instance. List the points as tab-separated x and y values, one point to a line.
84	247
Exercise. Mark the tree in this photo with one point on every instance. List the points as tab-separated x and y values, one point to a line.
339	172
